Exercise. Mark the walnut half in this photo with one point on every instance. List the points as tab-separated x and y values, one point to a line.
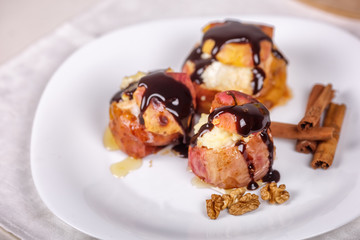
246	203
236	202
214	206
274	194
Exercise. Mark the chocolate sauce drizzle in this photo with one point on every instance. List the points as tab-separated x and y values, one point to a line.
272	175
252	185
230	93
249	118
182	148
279	55
258	79
129	90
175	96
200	66
232	32
236	32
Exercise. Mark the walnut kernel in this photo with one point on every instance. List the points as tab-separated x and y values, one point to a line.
274	194
246	203
237	193
214	206
236	202
228	200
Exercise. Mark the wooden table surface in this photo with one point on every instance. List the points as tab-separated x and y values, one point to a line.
346	8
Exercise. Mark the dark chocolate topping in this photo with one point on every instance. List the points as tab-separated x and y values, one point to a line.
249	118
249	161
236	32
176	97
279	55
203	129
195	54
200	66
258	79
182	149
233	32
129	90
272	175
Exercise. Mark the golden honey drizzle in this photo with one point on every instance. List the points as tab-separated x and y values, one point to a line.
121	169
109	141
197	182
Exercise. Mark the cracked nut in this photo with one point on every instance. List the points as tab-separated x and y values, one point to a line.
232	197
236	202
228	200
214	206
237	193
244	204
274	194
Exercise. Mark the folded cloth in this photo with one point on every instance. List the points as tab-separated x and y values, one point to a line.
21	84
23	79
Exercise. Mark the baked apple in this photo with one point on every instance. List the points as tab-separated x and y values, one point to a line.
237	56
151	111
233	146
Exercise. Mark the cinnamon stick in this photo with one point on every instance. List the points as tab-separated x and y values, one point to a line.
325	152
313	115
290	131
306	146
309	146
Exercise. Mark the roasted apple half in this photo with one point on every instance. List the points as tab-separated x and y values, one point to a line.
233	146
237	56
151	111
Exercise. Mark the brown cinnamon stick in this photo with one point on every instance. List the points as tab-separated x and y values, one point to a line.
313	115
309	146
306	146
290	131
325	152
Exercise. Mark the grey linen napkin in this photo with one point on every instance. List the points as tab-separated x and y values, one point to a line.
23	79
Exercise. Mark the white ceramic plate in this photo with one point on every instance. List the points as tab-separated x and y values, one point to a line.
71	167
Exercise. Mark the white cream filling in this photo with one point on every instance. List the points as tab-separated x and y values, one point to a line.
217	137
223	77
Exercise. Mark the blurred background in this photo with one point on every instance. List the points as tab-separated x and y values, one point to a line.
23	22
